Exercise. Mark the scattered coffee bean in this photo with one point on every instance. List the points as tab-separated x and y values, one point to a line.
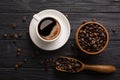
18	50
15	36
24	19
67	64
18	53
94	20
5	35
66	15
25	60
113	30
71	29
16	66
84	21
14	25
20	35
72	45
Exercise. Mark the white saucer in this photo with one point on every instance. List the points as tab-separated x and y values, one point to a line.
65	30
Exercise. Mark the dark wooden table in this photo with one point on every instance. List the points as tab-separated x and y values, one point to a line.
107	12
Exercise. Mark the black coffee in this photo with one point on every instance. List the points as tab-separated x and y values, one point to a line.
49	28
46	26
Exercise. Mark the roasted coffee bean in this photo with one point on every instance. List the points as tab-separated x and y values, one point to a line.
95	34
94	20
20	35
25	60
102	34
91	26
82	39
66	15
72	45
113	30
94	46
15	36
18	50
84	31
57	63
24	19
16	66
82	35
5	35
71	29
14	25
84	21
87	35
18	53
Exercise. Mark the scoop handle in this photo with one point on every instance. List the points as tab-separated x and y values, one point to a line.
101	68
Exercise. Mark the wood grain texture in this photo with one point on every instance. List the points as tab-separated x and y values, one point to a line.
107	12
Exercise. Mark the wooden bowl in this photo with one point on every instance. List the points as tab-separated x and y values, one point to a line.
87	40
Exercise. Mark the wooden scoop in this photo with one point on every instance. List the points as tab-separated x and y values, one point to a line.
72	65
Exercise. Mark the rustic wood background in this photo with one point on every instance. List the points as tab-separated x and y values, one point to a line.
106	12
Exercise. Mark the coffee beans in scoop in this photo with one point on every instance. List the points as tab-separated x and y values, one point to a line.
67	64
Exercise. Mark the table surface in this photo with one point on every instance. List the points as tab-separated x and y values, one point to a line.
107	12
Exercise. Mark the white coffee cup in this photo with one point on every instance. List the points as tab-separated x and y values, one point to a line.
60	40
39	19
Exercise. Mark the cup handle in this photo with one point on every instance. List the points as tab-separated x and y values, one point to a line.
36	17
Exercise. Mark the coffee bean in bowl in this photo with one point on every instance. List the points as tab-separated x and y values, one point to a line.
92	37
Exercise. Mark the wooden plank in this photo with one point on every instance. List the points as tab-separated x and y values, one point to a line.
59	2
62	5
70	9
37	74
